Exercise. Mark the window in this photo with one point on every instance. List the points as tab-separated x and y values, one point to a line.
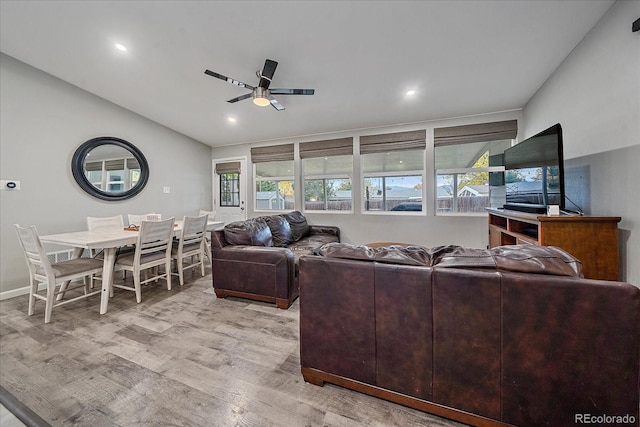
466	159
393	171
229	176
274	177
327	169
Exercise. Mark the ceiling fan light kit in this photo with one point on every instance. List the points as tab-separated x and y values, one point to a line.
261	94
261	97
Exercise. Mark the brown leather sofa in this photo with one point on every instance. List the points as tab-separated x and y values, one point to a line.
258	258
508	336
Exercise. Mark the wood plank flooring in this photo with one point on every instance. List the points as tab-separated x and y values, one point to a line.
179	358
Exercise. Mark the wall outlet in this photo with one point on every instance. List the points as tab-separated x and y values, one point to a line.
9	184
166	190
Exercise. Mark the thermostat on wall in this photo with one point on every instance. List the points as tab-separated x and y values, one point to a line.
7	184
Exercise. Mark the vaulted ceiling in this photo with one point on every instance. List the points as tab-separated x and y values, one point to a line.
361	57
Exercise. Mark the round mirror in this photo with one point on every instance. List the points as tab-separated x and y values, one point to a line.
110	168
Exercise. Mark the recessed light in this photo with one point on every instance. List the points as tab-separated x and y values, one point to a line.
121	47
411	92
232	119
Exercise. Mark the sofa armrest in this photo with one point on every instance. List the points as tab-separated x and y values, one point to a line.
254	269
217	239
324	229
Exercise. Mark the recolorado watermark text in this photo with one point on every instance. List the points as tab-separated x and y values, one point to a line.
604	419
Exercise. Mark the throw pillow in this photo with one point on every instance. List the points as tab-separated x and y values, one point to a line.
280	230
298	224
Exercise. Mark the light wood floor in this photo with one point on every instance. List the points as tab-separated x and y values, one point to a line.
179	358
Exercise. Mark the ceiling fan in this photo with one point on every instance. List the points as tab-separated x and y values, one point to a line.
261	94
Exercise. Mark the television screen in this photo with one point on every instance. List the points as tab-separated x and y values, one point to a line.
534	172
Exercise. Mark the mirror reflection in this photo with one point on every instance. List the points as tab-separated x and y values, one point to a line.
110	168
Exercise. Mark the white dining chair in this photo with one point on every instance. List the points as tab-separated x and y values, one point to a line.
207	243
95	223
153	249
135	219
105	223
53	275
191	244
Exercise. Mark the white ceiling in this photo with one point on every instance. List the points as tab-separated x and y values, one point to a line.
462	58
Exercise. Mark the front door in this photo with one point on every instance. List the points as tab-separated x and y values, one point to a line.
230	189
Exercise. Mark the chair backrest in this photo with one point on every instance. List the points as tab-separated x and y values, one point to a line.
210	214
193	230
33	250
135	219
104	223
154	236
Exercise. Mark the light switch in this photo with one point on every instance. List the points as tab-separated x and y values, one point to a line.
166	190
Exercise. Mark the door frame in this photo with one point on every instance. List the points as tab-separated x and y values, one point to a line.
223	213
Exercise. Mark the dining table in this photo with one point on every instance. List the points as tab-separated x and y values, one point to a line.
107	240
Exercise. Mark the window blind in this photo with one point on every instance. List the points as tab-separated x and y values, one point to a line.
383	143
327	148
114	165
133	164
228	167
272	153
481	132
93	166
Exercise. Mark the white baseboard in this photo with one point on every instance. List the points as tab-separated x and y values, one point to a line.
14	293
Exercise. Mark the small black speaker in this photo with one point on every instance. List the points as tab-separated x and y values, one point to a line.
636	25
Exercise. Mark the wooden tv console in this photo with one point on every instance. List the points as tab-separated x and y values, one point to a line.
591	239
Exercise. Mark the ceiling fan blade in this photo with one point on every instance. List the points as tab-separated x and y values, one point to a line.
228	79
276	104
293	91
240	98
267	73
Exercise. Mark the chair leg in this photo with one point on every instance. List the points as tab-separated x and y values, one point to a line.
208	252
32	291
88	282
51	291
136	284
201	258
180	270
167	270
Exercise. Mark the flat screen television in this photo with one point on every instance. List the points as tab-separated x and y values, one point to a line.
534	172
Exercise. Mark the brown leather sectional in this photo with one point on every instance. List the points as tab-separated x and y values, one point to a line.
258	258
508	336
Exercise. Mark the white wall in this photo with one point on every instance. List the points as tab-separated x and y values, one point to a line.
595	96
356	227
42	122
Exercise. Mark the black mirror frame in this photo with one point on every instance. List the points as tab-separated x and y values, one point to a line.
77	168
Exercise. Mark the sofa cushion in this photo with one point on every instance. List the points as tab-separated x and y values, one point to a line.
394	254
253	232
454	256
280	230
298	224
536	259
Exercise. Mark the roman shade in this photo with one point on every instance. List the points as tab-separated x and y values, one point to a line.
327	148
272	153
93	166
133	164
228	167
114	165
383	143
481	132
